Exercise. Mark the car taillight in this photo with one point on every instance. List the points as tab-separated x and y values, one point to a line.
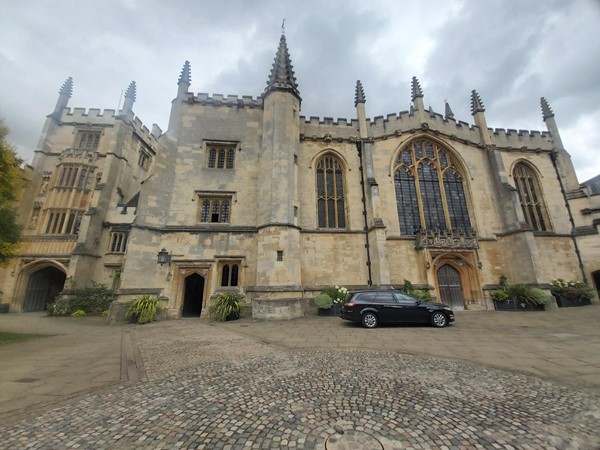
350	305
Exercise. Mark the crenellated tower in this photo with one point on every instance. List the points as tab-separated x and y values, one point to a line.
278	241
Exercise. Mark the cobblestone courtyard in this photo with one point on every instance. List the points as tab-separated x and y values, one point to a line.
249	384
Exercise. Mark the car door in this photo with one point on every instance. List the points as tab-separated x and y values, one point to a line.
410	311
389	309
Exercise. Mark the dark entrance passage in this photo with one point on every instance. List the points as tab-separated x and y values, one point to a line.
450	287
43	286
596	276
194	293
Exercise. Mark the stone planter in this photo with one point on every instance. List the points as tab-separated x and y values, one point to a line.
234	315
566	302
512	305
335	310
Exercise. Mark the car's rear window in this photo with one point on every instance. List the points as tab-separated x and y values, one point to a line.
365	297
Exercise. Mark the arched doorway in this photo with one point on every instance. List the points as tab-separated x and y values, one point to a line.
43	286
194	296
450	287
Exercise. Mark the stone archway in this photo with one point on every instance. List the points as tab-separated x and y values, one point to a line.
193	296
43	285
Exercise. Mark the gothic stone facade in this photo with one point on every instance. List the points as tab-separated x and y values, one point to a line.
247	194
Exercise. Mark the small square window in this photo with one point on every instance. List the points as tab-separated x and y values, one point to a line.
220	155
279	255
88	140
214	209
118	242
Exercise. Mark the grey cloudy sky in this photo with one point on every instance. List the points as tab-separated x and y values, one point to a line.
512	52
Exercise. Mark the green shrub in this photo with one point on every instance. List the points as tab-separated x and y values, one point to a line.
423	295
336	293
143	309
78	313
91	300
499	296
323	301
527	294
574	290
224	304
4	307
519	292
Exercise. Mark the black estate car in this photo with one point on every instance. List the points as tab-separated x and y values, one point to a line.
390	306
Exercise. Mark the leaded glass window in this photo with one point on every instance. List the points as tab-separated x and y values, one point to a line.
331	209
215	210
220	155
429	189
530	197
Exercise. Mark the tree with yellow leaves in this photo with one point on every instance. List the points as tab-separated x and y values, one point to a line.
11	182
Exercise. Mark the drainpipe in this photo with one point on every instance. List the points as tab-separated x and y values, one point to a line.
364	202
553	155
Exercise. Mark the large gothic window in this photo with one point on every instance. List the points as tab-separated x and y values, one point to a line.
530	197
429	189
330	193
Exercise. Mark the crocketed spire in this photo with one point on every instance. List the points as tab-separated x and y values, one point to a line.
359	96
67	87
130	93
185	77
282	76
449	114
476	103
416	89
547	112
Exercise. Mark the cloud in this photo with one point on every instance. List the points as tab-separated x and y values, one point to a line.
512	52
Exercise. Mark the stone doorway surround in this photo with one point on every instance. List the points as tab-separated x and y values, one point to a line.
465	264
47	271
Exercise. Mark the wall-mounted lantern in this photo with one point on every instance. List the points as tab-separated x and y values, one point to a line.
163	257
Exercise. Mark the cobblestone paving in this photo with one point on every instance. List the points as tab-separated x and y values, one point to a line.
217	390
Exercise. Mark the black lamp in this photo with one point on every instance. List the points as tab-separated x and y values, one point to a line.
163	257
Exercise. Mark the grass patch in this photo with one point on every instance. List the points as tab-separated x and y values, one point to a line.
9	338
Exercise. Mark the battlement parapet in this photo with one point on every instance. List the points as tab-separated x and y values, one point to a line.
143	132
395	124
91	115
231	101
518	139
328	129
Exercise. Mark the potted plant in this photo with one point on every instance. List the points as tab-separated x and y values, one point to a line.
143	309
226	306
518	297
571	293
336	295
324	303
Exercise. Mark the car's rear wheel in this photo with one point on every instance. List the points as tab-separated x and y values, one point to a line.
370	320
439	319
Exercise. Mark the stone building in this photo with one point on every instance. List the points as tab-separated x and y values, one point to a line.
245	193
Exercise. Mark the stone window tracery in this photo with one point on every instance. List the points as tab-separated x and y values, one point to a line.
331	209
220	155
118	241
215	209
429	187
63	221
530	197
88	140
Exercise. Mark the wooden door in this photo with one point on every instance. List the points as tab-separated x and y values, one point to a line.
450	287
